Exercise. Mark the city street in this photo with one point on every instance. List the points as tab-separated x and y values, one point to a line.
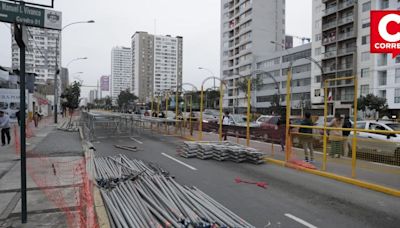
292	198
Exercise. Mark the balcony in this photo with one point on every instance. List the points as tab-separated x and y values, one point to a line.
329	69
345	20
330	10
346	35
346	51
346	97
328	25
346	4
345	66
330	54
328	40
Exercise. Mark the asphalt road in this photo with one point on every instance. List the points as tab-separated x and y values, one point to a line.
292	199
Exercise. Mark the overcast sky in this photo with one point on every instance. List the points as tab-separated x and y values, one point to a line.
117	20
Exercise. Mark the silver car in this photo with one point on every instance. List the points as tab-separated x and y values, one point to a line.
381	144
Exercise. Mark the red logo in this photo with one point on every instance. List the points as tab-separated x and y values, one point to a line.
385	32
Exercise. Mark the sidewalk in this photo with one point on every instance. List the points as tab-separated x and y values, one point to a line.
377	173
53	181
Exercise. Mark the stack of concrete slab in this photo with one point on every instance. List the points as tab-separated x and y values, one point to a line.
206	151
188	149
221	151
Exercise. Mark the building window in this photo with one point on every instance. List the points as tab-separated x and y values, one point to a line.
384	4
397	96
317	51
364	90
382	78
365	40
366	6
382	93
364	72
365	23
317	93
398	59
318	79
382	60
365	56
397	76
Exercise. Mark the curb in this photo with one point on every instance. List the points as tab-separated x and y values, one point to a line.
359	183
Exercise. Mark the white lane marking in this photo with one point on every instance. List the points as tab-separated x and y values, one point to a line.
299	220
136	140
180	162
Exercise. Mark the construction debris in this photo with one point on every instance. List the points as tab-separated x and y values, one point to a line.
220	151
141	195
130	148
68	125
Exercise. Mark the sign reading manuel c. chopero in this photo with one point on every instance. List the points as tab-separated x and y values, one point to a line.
30	16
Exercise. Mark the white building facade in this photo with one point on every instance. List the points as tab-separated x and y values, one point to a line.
121	71
41	53
250	30
341	32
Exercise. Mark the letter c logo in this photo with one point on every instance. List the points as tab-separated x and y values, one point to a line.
382	27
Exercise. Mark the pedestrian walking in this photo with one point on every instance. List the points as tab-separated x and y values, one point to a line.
225	124
346	124
5	128
17	114
306	138
36	118
282	130
336	137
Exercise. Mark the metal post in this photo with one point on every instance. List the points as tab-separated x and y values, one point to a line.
221	97
190	115
55	109
201	115
325	120
176	110
354	144
24	213
248	112
166	114
288	108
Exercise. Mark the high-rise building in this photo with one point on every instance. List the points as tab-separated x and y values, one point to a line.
250	30
93	95
341	32
40	53
121	71
156	64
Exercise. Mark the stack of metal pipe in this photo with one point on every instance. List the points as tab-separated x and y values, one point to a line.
141	195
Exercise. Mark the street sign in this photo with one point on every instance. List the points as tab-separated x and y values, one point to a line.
30	16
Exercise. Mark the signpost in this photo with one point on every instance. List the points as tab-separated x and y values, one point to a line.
21	16
30	16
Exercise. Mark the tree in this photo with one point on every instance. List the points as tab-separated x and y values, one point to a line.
125	98
373	103
71	97
255	84
108	101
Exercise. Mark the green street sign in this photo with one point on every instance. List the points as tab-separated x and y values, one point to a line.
30	16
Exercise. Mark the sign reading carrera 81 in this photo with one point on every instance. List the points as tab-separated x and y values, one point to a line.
30	16
385	31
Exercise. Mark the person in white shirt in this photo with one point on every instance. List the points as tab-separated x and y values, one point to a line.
225	123
5	128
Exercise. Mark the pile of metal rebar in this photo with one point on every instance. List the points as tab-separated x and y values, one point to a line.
141	195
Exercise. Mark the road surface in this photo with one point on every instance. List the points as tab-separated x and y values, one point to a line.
292	199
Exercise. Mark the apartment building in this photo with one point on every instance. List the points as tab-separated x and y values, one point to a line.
272	70
341	32
41	53
121	71
248	28
156	64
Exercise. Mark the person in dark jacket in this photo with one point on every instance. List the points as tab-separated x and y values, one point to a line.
307	138
346	124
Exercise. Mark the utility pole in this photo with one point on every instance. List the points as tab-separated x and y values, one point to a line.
21	39
56	82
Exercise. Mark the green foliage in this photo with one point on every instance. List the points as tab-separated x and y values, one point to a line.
372	102
70	97
255	84
125	98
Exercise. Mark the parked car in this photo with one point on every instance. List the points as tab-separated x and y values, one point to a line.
378	144
263	119
272	131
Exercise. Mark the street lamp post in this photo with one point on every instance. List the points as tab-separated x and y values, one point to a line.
57	71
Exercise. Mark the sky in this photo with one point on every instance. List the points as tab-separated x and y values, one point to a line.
117	20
